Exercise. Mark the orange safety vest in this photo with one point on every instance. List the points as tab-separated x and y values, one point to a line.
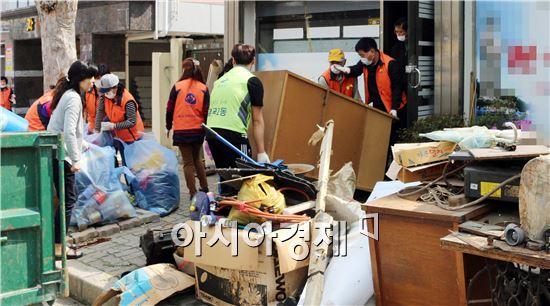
5	95
345	88
33	117
116	112
383	83
92	98
188	113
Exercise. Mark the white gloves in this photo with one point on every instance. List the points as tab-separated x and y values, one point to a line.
85	145
371	104
107	126
263	158
345	70
393	112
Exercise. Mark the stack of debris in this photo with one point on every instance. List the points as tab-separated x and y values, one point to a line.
256	248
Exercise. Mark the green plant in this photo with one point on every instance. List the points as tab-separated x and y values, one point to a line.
426	125
496	120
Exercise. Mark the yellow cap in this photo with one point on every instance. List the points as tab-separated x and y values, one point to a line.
336	55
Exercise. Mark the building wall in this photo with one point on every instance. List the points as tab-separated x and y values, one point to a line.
100	37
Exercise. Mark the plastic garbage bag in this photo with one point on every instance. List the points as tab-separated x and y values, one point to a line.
257	188
101	194
472	137
97	167
156	185
94	206
150	155
157	191
102	139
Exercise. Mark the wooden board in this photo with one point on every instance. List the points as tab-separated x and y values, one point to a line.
520	152
410	267
481	229
294	106
500	251
274	87
395	205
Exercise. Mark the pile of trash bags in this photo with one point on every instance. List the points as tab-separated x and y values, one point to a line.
156	184
102	196
105	192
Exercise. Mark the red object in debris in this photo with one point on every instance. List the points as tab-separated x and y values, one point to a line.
100	197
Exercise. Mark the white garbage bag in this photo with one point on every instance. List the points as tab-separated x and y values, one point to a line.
348	279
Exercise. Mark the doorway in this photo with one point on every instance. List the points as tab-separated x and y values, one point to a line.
420	52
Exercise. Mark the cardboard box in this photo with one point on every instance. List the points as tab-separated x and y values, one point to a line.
253	277
415	154
415	174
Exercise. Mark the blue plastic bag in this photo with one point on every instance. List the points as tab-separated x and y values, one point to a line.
156	185
102	139
97	167
94	205
101	194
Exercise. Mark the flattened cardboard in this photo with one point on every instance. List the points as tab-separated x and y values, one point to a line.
415	154
415	174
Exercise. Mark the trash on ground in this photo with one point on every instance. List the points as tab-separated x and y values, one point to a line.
102	196
147	286
252	277
156	185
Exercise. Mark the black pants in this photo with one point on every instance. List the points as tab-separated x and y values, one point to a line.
70	196
224	157
119	147
394	134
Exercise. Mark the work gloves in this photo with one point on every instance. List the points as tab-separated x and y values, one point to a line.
393	112
263	158
107	126
343	69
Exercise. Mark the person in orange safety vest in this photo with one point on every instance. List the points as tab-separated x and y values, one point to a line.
334	79
383	77
40	112
92	96
117	112
7	97
186	111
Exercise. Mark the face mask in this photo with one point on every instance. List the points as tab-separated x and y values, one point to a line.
401	38
366	61
110	95
3	86
334	70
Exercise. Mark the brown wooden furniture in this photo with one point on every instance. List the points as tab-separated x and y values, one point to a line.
409	266
501	251
293	106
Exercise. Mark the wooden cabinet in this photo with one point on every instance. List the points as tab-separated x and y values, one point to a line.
409	266
294	106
